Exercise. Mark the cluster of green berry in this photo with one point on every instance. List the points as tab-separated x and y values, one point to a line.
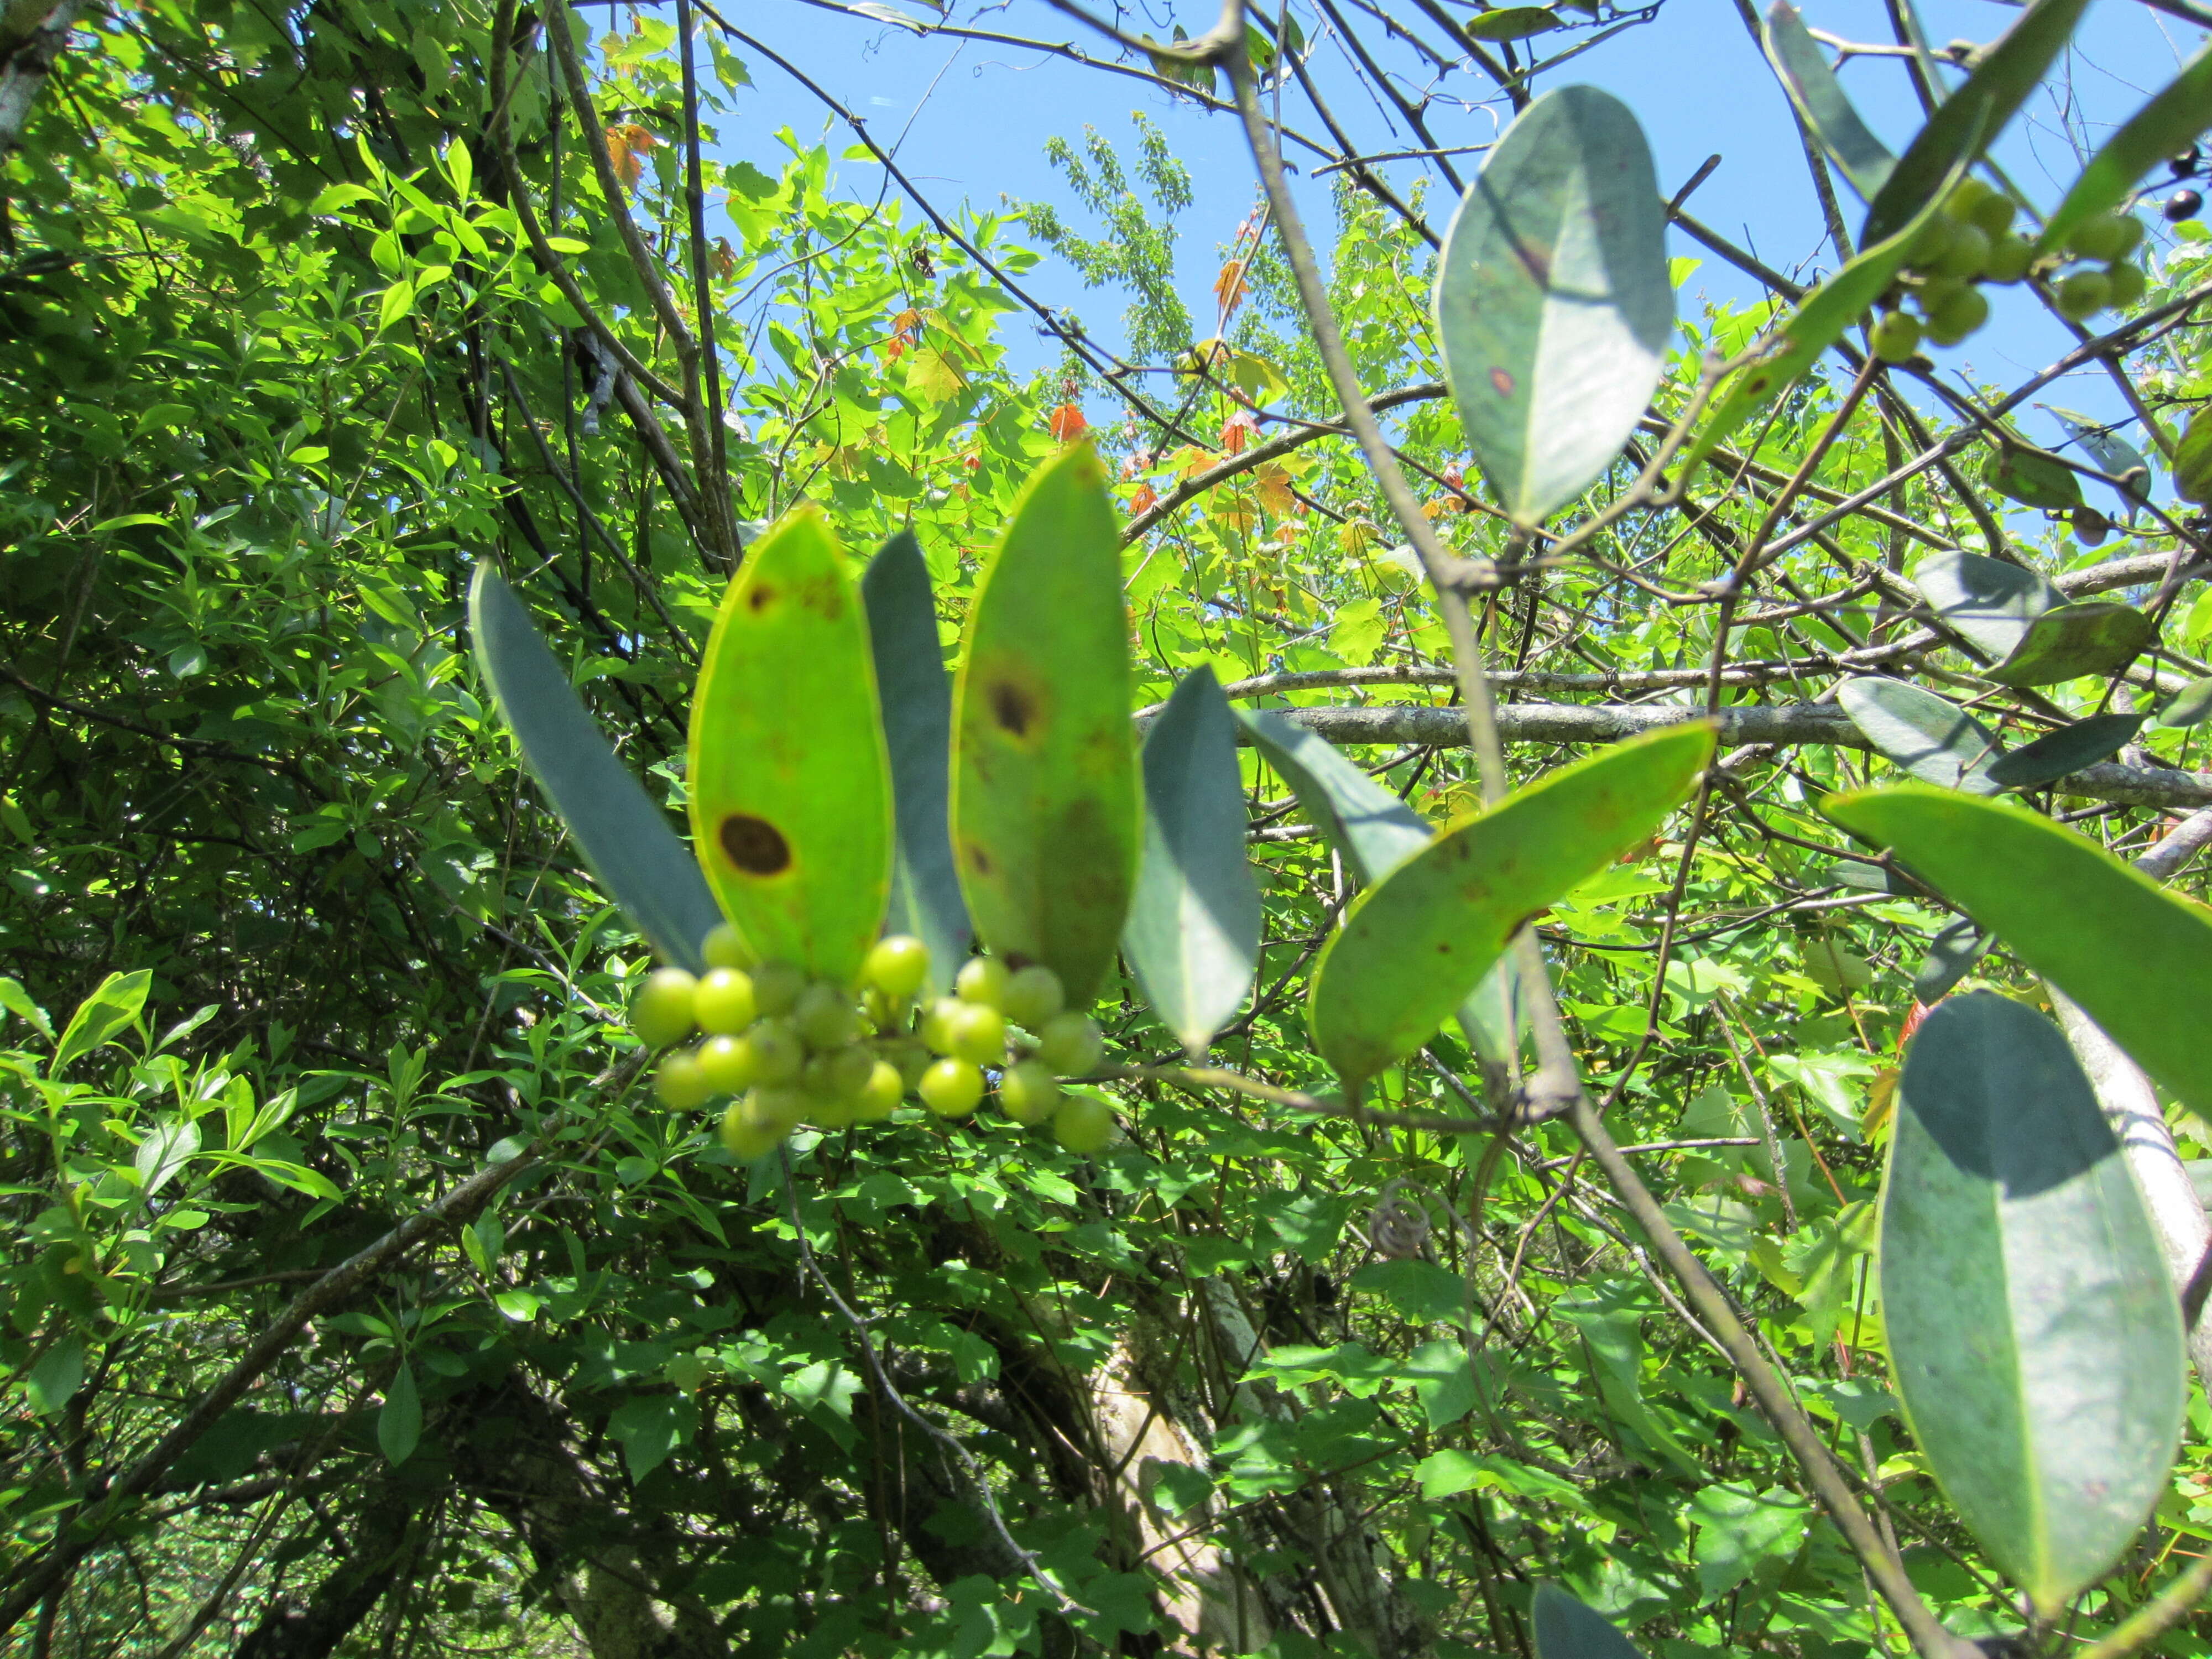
786	1051
1970	241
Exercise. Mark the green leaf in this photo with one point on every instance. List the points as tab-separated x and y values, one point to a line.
1934	740
1858	154
1565	1629
2031	478
1973	115
1511	23
2187	707
54	1381
1741	1530
1987	602
2162	127
2059	754
1046	819
2034	1337
2112	453
1443	1382
1951	957
625	838
111	1007
1192	935
1414	944
2134	956
791	782
2192	460
916	694
17	1001
2096	638
166	1149
399	1423
1552	299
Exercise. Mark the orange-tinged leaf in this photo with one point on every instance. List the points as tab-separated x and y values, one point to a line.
1230	287
628	145
1238	430
724	260
1067	423
1277	493
1145	500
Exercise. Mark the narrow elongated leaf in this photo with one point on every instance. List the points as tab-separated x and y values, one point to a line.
1972	116
1936	741
1193	936
638	858
1565	1629
1414	944
1552	299
2164	127
1511	23
2057	754
1858	154
2189	706
1987	602
2034	1335
113	1005
2136	957
1951	957
1046	815
399	1422
916	694
2096	638
791	785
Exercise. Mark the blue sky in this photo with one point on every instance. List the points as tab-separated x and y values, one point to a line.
972	121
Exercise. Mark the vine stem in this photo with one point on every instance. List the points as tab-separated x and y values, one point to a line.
2172	1605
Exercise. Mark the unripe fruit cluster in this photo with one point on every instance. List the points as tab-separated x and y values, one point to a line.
1970	241
787	1051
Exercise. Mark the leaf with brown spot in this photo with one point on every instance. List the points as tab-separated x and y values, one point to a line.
791	795
1046	810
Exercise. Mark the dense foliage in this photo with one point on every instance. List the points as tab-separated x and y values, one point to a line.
359	1295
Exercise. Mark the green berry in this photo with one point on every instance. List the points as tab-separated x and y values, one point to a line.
723	948
1966	198
952	1088
1070	1043
978	1034
1930	245
2083	295
663	1011
1033	996
777	986
1084	1124
880	1095
983	980
732	1064
2105	237
842	1072
778	1053
682	1083
2128	284
1993	215
778	1107
1027	1093
1896	337
908	1059
1958	316
744	1140
2009	259
724	1002
825	1016
898	966
1964	254
937	1024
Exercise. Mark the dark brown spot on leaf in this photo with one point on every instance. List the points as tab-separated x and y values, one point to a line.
1012	707
1503	381
755	845
760	598
979	859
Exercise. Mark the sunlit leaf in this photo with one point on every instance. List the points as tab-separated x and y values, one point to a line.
1934	740
1192	935
2034	1337
622	835
1414	944
1862	158
791	787
2112	453
1511	23
1552	299
1047	819
113	1006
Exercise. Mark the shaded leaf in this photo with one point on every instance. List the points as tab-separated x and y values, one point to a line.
2192	460
1973	115
2189	706
916	695
1951	957
2035	1337
2096	638
2031	478
1414	944
1803	68
1741	1530
2058	754
53	1382
1936	741
1565	1629
399	1422
2164	126
791	785
2112	453
113	1006
1552	299
1987	602
2134	956
626	839
1192	935
1046	819
1608	1317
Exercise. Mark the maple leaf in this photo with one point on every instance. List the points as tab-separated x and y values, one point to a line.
1145	500
1278	493
1067	423
723	260
627	147
1230	287
1238	430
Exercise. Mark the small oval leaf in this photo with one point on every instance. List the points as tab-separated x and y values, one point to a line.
2032	478
1552	299
2096	638
1414	944
2112	453
2061	753
1934	740
622	835
2134	956
1193	936
1511	23
1047	819
2033	1333
791	792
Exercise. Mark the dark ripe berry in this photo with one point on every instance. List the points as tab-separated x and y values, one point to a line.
1960	315
2183	204
2186	163
1896	337
2083	295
